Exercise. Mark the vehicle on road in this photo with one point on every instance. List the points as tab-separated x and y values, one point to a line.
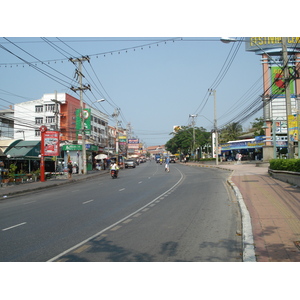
130	163
114	174
172	159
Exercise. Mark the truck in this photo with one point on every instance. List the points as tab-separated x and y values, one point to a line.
157	158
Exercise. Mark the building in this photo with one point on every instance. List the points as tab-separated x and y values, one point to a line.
62	112
6	124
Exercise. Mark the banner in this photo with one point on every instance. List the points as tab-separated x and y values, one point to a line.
293	127
87	121
278	84
50	143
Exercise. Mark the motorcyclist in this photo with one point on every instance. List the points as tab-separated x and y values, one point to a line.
114	167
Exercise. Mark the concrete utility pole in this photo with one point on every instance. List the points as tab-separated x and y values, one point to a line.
115	115
286	74
81	88
193	124
56	110
215	127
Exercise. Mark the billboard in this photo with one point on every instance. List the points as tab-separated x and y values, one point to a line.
50	143
278	84
259	43
87	121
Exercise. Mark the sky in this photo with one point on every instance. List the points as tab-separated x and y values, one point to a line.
156	82
157	75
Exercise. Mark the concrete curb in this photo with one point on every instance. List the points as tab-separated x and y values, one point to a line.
247	233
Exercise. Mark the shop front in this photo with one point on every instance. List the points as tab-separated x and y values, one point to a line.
73	153
250	149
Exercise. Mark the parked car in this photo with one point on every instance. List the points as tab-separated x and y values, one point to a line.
130	163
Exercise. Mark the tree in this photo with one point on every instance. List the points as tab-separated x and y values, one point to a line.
182	141
230	132
257	126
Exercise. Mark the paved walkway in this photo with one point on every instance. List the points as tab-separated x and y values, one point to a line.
274	208
272	205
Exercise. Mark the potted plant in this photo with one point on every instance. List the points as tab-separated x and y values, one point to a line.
11	172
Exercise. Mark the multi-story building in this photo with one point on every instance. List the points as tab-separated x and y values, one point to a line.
57	112
60	112
6	124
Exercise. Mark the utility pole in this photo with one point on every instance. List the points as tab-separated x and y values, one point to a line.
286	74
193	124
215	127
56	110
81	88
115	115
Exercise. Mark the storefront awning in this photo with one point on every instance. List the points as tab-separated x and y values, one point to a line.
24	149
5	145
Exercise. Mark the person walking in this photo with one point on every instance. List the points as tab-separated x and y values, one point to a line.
167	165
70	170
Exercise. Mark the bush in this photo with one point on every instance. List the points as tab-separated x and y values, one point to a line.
285	164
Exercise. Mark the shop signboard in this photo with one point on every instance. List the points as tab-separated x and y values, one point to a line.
50	143
265	43
87	121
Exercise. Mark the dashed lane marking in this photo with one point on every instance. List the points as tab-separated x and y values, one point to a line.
88	201
11	227
133	214
116	228
82	248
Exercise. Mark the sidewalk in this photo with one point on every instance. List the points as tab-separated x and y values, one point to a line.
11	190
274	208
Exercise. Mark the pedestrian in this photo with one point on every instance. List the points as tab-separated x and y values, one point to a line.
167	165
70	170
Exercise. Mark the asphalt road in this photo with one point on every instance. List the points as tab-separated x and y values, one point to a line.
146	214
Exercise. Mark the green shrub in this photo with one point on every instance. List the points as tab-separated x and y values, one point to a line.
285	164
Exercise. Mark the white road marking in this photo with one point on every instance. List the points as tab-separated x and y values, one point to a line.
14	226
116	223
140	182
121	190
87	201
29	202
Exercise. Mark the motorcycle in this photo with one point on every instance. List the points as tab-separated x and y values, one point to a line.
114	174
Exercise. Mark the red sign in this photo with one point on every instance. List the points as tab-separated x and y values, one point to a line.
50	143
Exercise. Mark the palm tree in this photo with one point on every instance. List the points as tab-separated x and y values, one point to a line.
231	132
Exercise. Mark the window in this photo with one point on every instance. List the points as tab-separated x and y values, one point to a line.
38	108
49	107
50	119
37	133
38	120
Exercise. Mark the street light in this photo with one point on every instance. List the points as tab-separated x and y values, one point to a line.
98	101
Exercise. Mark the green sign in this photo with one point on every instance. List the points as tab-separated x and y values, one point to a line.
88	147
278	82
87	121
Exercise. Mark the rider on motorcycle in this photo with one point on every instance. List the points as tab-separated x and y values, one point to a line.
115	167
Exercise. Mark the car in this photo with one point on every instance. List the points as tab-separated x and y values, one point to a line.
130	163
172	159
